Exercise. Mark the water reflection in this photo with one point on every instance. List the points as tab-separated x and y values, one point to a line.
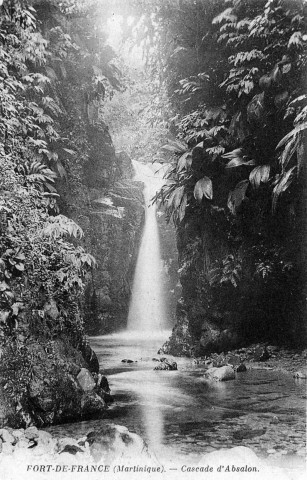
180	413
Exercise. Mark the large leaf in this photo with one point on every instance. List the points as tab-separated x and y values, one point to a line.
288	152
175	198
203	188
182	208
237	153
184	161
239	162
236	196
283	184
259	175
175	146
295	131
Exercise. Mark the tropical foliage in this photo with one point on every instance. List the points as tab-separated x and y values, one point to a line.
236	179
55	72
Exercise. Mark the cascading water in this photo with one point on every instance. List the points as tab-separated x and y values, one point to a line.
147	312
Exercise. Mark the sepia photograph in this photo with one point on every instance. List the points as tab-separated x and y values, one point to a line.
153	239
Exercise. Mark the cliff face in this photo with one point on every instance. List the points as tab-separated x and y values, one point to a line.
115	220
111	216
48	373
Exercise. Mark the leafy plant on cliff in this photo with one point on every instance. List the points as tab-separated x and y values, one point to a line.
236	177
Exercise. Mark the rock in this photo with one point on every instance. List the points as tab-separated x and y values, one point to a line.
301	373
111	442
233	359
219	361
103	383
241	368
23	443
85	380
103	388
166	365
92	405
126	360
221	374
7	448
31	433
44	437
261	354
6	436
18	433
72	449
155	360
90	357
74	369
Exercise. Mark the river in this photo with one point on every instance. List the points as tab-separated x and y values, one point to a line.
182	415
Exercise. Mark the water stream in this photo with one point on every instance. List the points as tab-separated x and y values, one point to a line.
179	413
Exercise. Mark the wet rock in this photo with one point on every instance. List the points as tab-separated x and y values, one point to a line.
302	373
166	365
219	361
6	436
221	374
74	369
18	434
85	380
274	420
72	449
90	357
233	359
241	368
261	354
31	433
103	383
113	441
44	438
103	388
92	405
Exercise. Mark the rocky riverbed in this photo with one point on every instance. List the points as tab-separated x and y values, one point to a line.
260	356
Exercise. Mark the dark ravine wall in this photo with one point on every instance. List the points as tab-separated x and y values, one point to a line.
112	236
48	372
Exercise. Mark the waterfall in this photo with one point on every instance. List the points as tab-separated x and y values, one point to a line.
147	311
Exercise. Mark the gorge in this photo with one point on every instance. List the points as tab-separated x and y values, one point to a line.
153	232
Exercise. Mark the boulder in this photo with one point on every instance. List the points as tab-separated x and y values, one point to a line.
261	354
221	374
166	365
241	368
92	405
103	383
85	380
74	369
90	357
31	433
6	436
233	359
112	442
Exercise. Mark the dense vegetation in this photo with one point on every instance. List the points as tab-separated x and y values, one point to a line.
234	72
56	70
225	84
